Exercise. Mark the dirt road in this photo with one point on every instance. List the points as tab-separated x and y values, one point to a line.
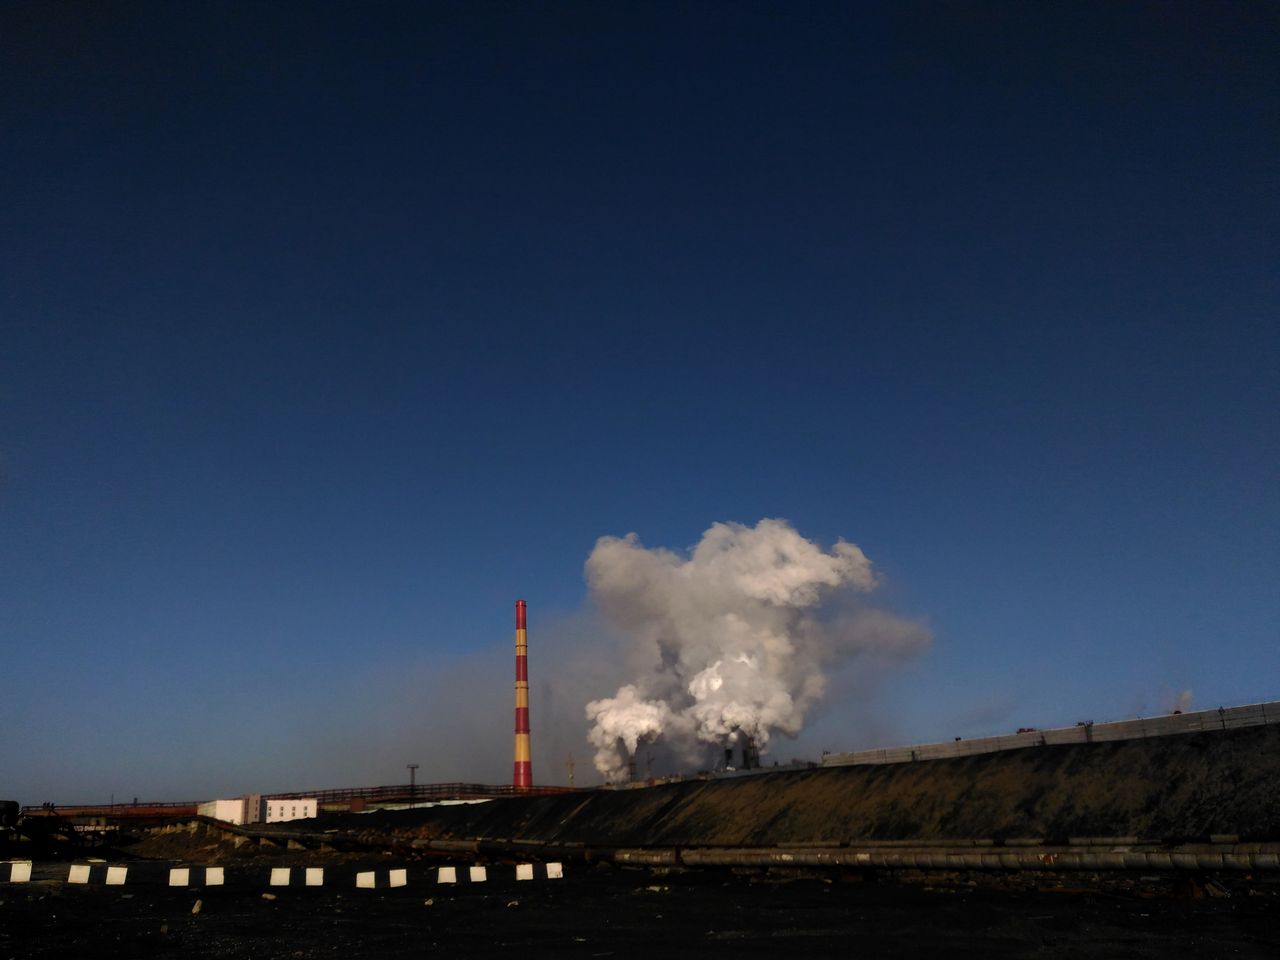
603	912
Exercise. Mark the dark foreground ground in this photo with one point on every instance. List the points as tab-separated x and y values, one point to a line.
604	912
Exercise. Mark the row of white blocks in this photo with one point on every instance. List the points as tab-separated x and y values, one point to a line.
20	872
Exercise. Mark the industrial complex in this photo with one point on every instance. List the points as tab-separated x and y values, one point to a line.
57	827
1147	808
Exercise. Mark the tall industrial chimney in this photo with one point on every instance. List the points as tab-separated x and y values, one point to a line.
522	779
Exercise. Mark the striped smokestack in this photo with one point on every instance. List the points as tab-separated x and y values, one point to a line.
522	778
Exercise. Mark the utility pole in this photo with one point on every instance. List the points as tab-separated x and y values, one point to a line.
413	770
569	766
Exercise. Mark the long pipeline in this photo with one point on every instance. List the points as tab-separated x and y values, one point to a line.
959	856
1085	853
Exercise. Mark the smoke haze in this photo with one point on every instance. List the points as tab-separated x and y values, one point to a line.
733	640
770	631
1179	701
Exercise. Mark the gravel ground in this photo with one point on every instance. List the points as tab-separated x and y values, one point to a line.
607	912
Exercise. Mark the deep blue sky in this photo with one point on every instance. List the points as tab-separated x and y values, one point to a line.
329	330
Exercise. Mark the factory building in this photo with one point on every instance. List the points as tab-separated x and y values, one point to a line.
280	809
238	810
228	811
255	808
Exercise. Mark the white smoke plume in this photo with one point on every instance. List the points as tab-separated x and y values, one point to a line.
731	639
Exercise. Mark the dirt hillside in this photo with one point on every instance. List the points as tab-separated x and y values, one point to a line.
1176	788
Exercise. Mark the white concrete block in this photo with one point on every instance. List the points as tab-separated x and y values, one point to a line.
79	873
524	871
315	876
20	871
554	871
116	876
179	876
443	875
213	877
398	878
280	876
364	879
479	874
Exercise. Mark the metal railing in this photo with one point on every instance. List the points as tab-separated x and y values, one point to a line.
1223	718
391	793
421	792
124	810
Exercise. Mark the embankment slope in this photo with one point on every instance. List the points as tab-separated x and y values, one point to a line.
1170	789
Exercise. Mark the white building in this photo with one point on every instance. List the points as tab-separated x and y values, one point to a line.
290	808
228	811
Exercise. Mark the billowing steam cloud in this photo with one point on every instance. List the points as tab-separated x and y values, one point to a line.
730	639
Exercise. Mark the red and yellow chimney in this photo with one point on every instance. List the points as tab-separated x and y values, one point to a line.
522	779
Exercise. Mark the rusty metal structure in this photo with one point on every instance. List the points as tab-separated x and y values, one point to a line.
358	798
522	774
330	801
50	829
115	811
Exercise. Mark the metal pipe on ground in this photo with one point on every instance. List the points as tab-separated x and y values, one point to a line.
1023	858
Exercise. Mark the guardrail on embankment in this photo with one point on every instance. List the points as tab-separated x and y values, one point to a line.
1223	718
